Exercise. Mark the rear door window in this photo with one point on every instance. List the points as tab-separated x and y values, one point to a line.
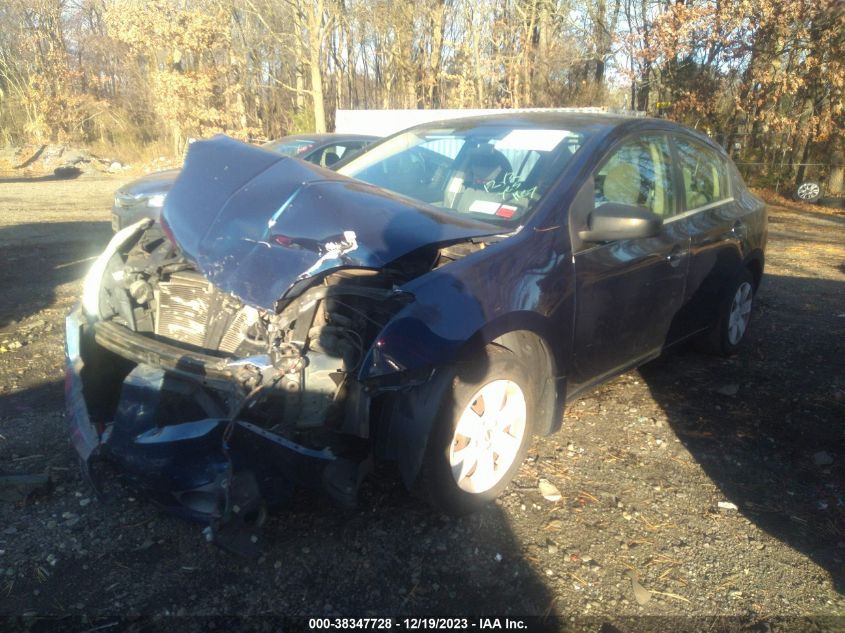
703	174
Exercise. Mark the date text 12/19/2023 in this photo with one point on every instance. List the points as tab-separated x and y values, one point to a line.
425	623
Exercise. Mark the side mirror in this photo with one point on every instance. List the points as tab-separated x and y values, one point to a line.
612	221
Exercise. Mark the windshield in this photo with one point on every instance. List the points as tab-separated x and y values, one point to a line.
487	171
290	146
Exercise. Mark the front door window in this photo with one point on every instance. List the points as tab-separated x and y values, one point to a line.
638	174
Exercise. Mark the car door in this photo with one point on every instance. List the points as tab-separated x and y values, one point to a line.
716	227
627	292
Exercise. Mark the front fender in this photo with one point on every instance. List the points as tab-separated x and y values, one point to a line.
408	418
424	334
517	284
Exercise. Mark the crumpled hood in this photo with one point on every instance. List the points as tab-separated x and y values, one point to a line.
255	223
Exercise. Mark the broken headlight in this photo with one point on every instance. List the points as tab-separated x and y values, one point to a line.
94	278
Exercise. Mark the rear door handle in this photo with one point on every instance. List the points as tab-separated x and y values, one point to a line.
674	257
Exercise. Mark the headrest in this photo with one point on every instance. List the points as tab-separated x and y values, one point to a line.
484	164
622	184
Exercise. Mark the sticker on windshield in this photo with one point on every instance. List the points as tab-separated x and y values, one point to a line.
506	211
537	140
485	206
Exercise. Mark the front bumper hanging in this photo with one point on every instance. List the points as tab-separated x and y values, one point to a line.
220	471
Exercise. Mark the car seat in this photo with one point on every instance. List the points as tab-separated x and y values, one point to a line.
622	185
482	166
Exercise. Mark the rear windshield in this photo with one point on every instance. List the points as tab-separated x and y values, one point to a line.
490	172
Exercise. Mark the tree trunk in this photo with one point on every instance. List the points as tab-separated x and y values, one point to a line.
350	63
644	88
299	78
835	184
529	55
317	92
479	76
438	27
802	168
315	23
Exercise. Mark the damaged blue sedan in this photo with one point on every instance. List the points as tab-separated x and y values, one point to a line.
435	302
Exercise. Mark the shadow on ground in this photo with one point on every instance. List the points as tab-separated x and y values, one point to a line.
390	557
775	447
68	174
39	257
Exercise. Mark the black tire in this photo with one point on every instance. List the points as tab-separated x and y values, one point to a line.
832	203
720	340
436	481
808	191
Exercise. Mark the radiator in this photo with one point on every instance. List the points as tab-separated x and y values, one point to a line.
191	310
182	309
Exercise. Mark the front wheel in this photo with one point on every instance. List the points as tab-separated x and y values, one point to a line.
482	431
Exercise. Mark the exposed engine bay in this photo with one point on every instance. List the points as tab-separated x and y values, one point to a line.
296	366
173	361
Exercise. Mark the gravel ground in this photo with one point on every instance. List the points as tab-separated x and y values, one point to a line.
717	484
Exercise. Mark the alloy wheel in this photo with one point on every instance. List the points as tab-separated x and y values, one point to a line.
740	312
809	191
488	436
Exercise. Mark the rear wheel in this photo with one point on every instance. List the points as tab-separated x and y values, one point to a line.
731	326
481	434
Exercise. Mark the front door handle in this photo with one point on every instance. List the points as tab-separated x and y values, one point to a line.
674	257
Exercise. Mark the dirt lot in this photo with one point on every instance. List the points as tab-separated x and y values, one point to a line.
642	465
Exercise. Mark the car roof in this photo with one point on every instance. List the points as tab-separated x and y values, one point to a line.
541	117
328	137
605	123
